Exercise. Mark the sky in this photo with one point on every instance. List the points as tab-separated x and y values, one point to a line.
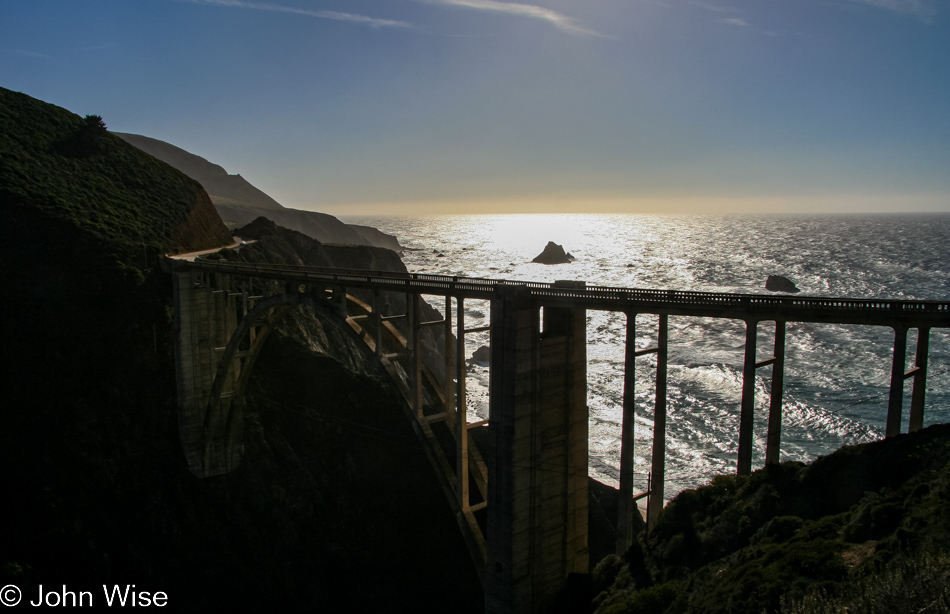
483	106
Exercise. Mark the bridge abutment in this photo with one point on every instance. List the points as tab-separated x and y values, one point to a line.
206	320
537	508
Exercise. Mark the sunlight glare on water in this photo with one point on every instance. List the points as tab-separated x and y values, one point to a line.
836	377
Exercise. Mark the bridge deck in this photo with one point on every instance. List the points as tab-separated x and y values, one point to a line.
749	307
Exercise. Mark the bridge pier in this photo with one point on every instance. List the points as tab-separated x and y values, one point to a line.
747	411
773	439
537	506
896	396
918	373
658	470
626	503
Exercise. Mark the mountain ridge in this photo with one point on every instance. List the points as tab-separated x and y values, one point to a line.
239	203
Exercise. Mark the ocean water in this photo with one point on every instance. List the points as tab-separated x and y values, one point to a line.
836	378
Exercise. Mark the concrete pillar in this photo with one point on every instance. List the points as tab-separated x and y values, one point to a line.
377	324
747	411
658	472
448	380
896	398
537	497
193	366
920	380
774	437
626	506
415	352
206	317
461	435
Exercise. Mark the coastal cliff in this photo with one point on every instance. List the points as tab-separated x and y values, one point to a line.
239	203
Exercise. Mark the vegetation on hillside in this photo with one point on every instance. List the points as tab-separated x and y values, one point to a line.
865	529
72	169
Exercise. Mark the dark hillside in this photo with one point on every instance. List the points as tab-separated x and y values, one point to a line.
865	529
73	170
331	509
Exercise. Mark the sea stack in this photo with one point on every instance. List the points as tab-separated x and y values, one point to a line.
553	254
777	283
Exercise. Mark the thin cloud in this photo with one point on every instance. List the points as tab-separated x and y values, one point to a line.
735	21
559	21
30	54
924	9
372	22
713	8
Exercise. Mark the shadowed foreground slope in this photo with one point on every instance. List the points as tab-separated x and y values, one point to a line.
866	529
333	507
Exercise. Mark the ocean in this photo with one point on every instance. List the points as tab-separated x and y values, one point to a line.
836	377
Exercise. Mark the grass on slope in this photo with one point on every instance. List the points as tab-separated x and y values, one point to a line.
72	169
797	536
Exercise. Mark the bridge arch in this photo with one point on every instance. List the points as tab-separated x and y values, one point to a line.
222	329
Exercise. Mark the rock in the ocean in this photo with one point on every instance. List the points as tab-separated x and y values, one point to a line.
553	254
481	357
777	283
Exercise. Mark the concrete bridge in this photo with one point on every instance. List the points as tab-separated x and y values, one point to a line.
517	482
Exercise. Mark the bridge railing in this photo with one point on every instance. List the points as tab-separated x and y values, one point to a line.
596	296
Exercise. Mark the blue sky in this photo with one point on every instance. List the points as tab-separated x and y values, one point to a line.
396	106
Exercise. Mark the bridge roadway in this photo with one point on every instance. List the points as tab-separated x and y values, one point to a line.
525	524
874	312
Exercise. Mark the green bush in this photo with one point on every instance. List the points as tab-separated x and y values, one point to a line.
653	600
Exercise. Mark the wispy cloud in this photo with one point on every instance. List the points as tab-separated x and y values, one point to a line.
30	54
712	7
924	9
372	22
559	21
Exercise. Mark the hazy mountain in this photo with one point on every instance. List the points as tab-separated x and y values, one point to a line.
239	203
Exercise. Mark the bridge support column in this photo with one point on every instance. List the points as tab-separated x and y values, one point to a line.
626	505
206	315
658	472
377	324
919	373
747	411
414	310
774	438
537	498
896	398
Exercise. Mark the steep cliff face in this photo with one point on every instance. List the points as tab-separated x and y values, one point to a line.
239	203
213	177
